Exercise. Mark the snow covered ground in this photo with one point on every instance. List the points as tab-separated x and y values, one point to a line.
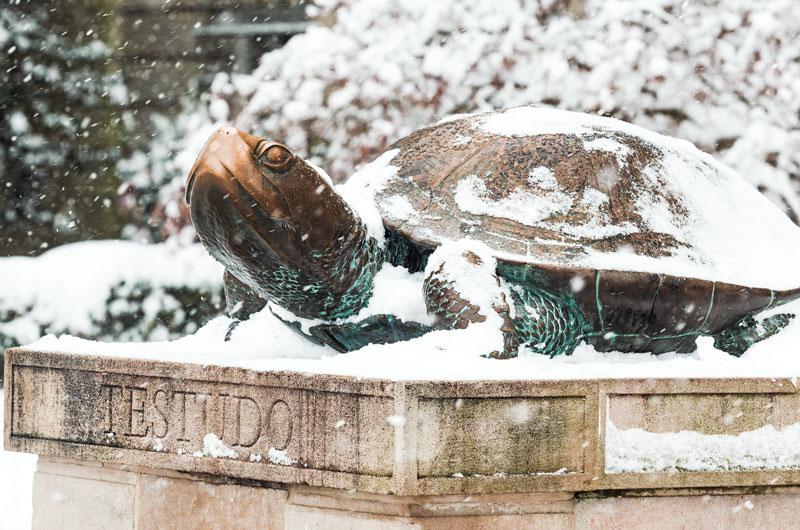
16	483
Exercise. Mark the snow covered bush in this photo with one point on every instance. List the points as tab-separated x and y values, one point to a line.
722	74
151	195
108	290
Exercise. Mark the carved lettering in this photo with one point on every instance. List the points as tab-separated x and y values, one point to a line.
182	433
253	422
162	430
279	424
110	410
203	411
136	412
142	412
246	419
224	432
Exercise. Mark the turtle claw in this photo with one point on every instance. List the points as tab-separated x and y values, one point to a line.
232	326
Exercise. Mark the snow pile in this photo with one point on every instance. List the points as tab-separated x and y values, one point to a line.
721	74
116	290
360	191
213	447
279	457
396	420
395	291
523	206
543	199
639	451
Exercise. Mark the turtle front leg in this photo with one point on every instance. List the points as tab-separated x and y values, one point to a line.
462	287
738	338
240	301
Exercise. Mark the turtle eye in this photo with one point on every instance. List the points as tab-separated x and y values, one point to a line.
274	156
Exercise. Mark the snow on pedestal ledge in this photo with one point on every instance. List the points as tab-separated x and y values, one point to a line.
264	343
640	451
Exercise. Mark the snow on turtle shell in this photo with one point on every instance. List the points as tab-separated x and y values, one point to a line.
578	191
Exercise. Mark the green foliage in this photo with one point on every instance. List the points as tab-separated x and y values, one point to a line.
60	128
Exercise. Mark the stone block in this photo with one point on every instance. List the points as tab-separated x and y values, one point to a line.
165	503
489	436
82	498
710	511
407	439
706	413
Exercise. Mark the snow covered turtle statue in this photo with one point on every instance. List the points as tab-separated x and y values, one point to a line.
559	227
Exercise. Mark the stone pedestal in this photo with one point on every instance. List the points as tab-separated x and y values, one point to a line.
145	444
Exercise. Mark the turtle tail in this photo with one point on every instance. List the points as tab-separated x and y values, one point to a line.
782	297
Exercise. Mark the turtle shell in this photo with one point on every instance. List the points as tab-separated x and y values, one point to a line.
653	225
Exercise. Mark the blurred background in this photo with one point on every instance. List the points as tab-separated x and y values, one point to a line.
105	103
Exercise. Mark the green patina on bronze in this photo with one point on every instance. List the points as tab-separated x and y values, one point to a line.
546	323
286	237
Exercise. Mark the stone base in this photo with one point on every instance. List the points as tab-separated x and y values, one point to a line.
70	494
145	444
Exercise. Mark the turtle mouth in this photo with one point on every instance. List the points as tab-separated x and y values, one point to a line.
241	232
189	185
255	211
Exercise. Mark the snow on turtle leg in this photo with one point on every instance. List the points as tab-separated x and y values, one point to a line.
462	288
738	338
240	301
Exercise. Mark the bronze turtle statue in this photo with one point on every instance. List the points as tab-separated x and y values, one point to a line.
569	227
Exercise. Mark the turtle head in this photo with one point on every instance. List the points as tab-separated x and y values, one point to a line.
258	207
